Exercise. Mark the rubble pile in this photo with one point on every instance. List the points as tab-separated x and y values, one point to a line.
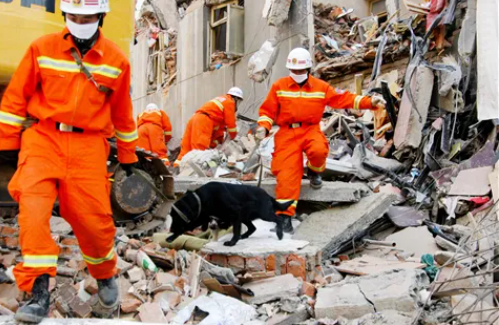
346	44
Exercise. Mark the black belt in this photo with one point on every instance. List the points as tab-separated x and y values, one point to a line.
67	128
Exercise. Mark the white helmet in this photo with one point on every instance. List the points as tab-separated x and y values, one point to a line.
85	7
299	59
236	91
152	107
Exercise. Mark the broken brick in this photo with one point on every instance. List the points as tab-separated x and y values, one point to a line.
130	305
308	289
220	260
255	264
8	231
296	265
80	308
91	285
9	303
165	279
8	260
11	242
270	263
236	261
70	241
172	297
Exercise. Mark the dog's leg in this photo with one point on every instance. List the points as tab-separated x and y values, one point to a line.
236	228
251	229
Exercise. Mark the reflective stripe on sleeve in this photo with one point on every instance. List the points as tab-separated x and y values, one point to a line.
127	136
11	119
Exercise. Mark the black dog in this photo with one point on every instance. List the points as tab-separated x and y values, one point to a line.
228	204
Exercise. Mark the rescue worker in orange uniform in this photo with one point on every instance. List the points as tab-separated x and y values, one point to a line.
296	104
203	129
155	130
75	86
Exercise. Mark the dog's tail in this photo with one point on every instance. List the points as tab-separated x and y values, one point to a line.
281	206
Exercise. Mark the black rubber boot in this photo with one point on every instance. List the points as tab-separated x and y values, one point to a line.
37	308
108	293
315	179
287	225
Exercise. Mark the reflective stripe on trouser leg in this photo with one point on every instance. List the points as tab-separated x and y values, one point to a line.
316	148
34	186
84	197
287	166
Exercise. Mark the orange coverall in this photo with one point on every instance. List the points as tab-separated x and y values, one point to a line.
298	112
65	153
155	130
212	117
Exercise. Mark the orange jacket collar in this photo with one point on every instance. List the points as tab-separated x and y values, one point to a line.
68	42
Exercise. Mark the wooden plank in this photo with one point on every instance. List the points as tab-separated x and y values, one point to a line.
367	265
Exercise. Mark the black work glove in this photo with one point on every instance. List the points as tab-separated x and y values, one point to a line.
9	157
128	168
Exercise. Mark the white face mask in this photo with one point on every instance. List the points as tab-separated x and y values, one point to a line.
82	31
298	78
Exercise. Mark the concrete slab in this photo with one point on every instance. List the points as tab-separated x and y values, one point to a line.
386	317
9	320
328	229
399	289
272	289
330	192
417	240
342	301
262	242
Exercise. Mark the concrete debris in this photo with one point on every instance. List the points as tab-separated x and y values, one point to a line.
279	11
272	289
361	172
416	240
261	62
329	229
342	301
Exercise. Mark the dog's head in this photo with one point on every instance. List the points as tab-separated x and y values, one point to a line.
185	208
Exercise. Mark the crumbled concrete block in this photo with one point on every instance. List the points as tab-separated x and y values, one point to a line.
400	288
361	172
279	12
385	317
172	298
298	316
273	288
60	226
136	274
328	229
131	255
410	122
330	191
122	266
165	279
342	300
151	313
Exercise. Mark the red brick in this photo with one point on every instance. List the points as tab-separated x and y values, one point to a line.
130	305
255	264
270	263
236	261
12	242
8	231
69	241
308	289
91	285
219	260
296	265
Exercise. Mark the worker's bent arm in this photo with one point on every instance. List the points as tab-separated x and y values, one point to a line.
345	99
230	118
167	126
268	109
121	115
13	109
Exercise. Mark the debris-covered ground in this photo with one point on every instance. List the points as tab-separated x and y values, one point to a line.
404	230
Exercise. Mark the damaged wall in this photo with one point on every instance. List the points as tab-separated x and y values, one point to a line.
360	7
194	86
